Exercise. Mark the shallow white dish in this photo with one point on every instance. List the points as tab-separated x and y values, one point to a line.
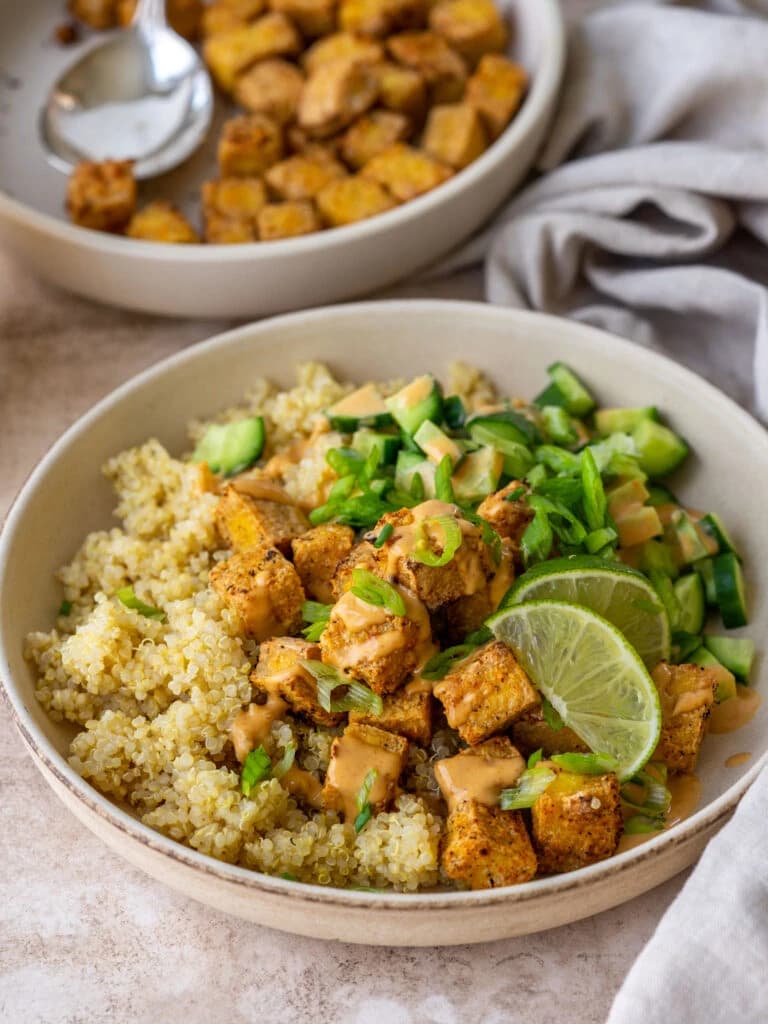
254	279
66	496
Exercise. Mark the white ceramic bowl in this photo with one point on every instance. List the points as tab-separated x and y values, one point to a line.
66	496
237	281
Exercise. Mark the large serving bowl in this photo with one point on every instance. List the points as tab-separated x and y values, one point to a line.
66	497
256	278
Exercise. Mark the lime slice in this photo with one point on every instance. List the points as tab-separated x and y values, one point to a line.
590	674
619	594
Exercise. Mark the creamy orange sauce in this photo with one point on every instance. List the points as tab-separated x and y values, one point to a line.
257	613
733	713
252	726
474	776
686	797
418	685
359	617
303	785
736	759
352	759
261	488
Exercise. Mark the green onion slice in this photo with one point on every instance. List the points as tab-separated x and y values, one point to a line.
639	824
285	763
358	696
443	483
439	665
529	788
376	591
126	596
65	608
365	789
537	540
646	792
551	716
586	764
595	502
384	534
535	757
362	820
452	538
515	494
289	877
256	768
315	611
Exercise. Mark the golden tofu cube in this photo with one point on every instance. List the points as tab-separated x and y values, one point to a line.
408	713
184	16
102	196
508	518
302	177
161	222
234	197
335	95
576	821
288	220
406	172
486	692
278	671
455	135
381	17
245	522
300	142
347	200
271	87
362	556
249	145
263	589
313	17
531	732
402	90
485	847
479	773
428	53
360	749
316	555
98	14
230	230
341	46
687	693
371	134
374	644
230	53
496	89
472	27
465	614
223	15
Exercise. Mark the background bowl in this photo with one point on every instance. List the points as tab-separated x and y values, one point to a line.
236	281
66	496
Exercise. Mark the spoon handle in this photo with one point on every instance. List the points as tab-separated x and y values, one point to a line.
150	14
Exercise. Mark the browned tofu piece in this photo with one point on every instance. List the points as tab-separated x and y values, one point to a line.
249	145
230	230
271	87
362	556
288	220
531	732
381	18
342	46
455	135
576	821
313	17
223	15
263	589
409	713
161	222
300	142
230	53
472	27
102	196
374	132
687	693
348	200
245	522
428	53
486	692
496	89
361	749
99	14
302	177
465	614
335	95
316	555
375	645
508	518
230	209
184	16
485	847
406	172
278	671
402	90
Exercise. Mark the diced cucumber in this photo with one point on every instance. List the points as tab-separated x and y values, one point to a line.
230	448
454	413
622	421
658	556
726	681
658	495
435	444
411	464
577	400
684	645
729	590
362	408
690	543
478	475
418	401
716	529
659	449
705	569
558	425
551	395
737	654
665	589
387	445
689	591
507	425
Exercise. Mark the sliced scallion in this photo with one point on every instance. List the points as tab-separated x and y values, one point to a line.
595	502
363	818
535	757
586	764
65	608
443	484
439	665
126	596
364	792
537	540
515	494
528	789
376	591
640	824
452	538
384	534
358	697
285	763
551	716
256	767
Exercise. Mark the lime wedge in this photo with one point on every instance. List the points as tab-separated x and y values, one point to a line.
618	593
590	674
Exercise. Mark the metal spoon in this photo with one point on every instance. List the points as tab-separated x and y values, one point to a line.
141	95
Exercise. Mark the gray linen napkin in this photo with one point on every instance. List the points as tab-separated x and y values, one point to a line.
651	217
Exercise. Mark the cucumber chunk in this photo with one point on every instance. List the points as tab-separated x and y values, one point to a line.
705	569
657	556
362	408
230	448
729	590
659	449
478	475
503	426
736	654
418	401
689	591
557	424
435	444
387	445
576	399
454	413
411	464
726	681
622	421
691	544
716	529
658	495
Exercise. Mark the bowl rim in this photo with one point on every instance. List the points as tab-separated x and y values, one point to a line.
544	86
704	819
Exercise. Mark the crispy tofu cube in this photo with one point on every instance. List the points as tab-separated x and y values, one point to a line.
496	89
230	230
408	713
402	90
465	614
428	53
531	732
302	177
347	200
102	196
485	847
278	671
288	220
223	15
362	556
228	54
508	518
687	693
479	773
300	142
184	16
245	522
161	222
271	87
335	95
249	145
455	135
233	199
371	134
406	172
381	17
342	46
360	749
263	589
98	14
472	27
486	692
316	555
313	17
576	821
375	645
